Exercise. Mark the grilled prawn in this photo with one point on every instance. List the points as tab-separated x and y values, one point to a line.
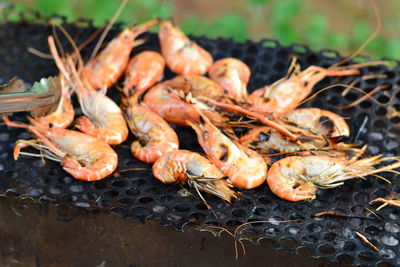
84	157
155	135
297	178
244	167
196	170
106	68
182	55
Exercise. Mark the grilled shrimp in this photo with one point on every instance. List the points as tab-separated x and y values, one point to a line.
64	114
172	106
319	121
244	167
182	55
197	86
106	68
143	71
287	93
269	142
233	75
84	157
196	170
297	178
155	136
103	118
169	106
329	126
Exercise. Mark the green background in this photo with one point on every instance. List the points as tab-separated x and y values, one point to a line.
341	25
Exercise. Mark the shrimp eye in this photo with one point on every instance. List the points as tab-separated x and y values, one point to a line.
224	153
262	137
305	83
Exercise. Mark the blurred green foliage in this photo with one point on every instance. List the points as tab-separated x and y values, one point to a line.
288	21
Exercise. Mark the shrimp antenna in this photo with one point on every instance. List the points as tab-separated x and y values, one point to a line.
369	39
108	28
73	44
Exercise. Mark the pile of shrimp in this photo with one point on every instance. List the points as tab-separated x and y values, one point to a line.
212	98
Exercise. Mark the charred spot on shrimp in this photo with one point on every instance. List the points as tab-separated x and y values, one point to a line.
327	122
224	152
266	100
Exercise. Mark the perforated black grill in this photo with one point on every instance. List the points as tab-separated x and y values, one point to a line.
137	194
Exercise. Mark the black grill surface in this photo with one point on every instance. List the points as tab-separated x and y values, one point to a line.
137	194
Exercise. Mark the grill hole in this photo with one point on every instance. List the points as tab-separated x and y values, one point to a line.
111	194
99	185
379	124
326	249
239	213
309	239
366	256
381	111
181	207
383	99
55	189
390	240
125	201
392	227
260	211
372	230
201	206
174	217
329	236
233	223
69	198
387	254
313	227
271	231
119	183
82	205
4	137
349	246
160	209
76	188
132	192
34	192
344	259
293	230
145	200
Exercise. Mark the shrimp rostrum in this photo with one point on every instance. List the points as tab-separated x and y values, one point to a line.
196	170
297	178
84	157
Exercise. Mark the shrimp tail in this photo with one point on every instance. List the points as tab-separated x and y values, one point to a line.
219	188
365	167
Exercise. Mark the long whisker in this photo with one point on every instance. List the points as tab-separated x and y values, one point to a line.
370	38
108	28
